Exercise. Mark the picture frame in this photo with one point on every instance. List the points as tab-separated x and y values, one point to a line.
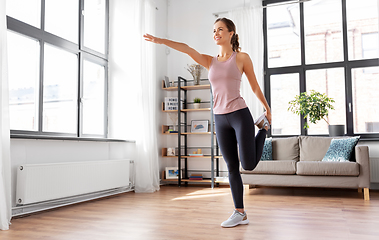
171	151
167	82
199	126
172	173
171	103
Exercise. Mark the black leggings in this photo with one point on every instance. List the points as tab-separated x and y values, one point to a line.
238	128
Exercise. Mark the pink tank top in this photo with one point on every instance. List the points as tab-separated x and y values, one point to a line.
225	78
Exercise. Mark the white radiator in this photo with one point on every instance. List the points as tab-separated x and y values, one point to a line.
374	170
44	182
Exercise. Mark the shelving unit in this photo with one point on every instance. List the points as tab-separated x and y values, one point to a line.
183	133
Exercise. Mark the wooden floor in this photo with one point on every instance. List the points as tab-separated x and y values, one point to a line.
196	213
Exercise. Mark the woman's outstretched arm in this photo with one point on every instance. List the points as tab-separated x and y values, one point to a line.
202	59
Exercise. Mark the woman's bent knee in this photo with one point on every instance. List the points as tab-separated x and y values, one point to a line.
249	167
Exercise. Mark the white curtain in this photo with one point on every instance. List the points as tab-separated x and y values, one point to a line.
5	172
249	23
147	161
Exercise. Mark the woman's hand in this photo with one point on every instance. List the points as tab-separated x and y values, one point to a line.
151	38
268	116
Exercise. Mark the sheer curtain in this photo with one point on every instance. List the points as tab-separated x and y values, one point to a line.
147	164
5	178
249	23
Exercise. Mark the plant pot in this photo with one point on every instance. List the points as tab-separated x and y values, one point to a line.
336	130
196	105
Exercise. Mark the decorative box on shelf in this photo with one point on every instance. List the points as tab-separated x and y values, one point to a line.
168	152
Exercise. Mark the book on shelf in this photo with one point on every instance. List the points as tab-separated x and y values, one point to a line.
196	176
195	154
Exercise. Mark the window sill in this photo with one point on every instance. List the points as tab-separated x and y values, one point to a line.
22	136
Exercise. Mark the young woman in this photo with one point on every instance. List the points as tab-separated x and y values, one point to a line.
234	123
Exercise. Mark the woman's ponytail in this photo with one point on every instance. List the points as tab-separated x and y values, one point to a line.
235	43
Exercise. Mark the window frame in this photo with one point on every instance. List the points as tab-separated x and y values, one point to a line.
82	52
347	64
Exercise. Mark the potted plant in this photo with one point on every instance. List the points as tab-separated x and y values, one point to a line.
314	107
196	103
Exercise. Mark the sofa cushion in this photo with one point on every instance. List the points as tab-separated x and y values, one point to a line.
319	168
285	148
340	149
267	150
313	148
274	167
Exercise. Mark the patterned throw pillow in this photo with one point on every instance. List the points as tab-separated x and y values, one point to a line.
267	150
340	149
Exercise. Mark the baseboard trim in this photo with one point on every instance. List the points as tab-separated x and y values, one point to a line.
22	210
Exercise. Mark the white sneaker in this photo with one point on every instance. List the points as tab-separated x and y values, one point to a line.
262	122
237	218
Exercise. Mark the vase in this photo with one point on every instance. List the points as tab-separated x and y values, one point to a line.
196	80
336	130
196	105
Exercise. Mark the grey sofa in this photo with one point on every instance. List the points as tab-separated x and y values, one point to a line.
297	163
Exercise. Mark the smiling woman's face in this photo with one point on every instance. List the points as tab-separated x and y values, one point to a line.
221	34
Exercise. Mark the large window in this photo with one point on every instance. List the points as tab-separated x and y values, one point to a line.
330	81
330	46
283	41
23	85
366	99
58	65
323	31
284	87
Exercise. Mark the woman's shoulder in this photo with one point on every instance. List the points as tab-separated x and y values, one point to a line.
242	55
